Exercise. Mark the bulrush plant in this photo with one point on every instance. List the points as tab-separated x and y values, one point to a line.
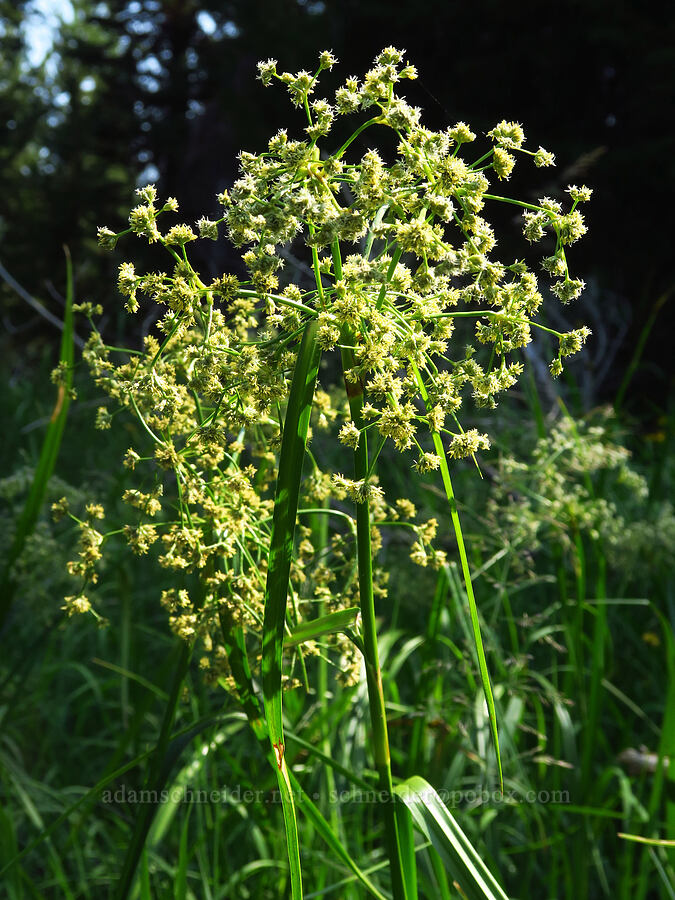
275	564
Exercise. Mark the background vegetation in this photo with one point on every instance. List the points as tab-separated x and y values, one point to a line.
574	583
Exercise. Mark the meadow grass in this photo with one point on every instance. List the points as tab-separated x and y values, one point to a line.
497	722
83	710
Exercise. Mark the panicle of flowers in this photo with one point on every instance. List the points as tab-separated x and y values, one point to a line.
404	261
553	495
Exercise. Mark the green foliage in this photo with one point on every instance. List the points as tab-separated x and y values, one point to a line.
263	562
235	844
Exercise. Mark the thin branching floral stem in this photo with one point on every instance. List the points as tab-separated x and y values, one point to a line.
355	134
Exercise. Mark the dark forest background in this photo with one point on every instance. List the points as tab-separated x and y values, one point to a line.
165	91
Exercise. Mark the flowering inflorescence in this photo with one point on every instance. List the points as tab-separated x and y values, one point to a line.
401	252
579	482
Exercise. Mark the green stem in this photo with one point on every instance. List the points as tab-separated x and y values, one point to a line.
353	136
378	716
473	609
426	685
515	202
390	272
236	654
49	452
319	525
282	301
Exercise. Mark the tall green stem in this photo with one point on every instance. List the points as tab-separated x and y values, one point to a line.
378	716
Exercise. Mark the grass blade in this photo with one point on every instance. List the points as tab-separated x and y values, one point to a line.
437	824
663	776
332	623
314	751
468	585
406	838
640	346
48	454
180	884
426	686
291	458
158	774
317	819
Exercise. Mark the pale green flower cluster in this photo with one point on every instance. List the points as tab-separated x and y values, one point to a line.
580	482
37	575
401	251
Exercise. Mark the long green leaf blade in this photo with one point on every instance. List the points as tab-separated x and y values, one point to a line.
332	623
158	774
316	817
466	574
48	454
437	824
291	458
